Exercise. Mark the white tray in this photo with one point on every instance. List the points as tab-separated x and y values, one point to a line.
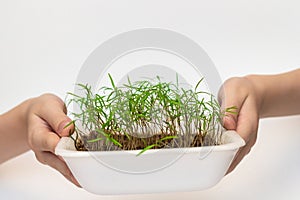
163	170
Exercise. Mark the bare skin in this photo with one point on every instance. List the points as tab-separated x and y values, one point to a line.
36	124
258	96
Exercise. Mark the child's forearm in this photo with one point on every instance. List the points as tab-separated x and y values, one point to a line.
13	132
280	94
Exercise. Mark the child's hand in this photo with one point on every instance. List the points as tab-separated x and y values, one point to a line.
46	120
240	92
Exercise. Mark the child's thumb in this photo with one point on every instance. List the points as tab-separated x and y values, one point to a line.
54	113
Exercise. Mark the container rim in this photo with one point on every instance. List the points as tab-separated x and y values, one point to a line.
231	140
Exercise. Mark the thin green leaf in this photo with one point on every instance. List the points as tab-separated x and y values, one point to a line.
146	148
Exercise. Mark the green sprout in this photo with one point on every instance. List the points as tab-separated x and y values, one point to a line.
143	115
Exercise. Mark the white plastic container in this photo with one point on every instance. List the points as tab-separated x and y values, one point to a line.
161	170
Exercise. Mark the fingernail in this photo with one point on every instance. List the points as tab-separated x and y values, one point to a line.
229	122
63	125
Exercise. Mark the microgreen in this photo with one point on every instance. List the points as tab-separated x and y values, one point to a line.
146	114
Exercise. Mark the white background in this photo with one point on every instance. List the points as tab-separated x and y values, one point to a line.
44	43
